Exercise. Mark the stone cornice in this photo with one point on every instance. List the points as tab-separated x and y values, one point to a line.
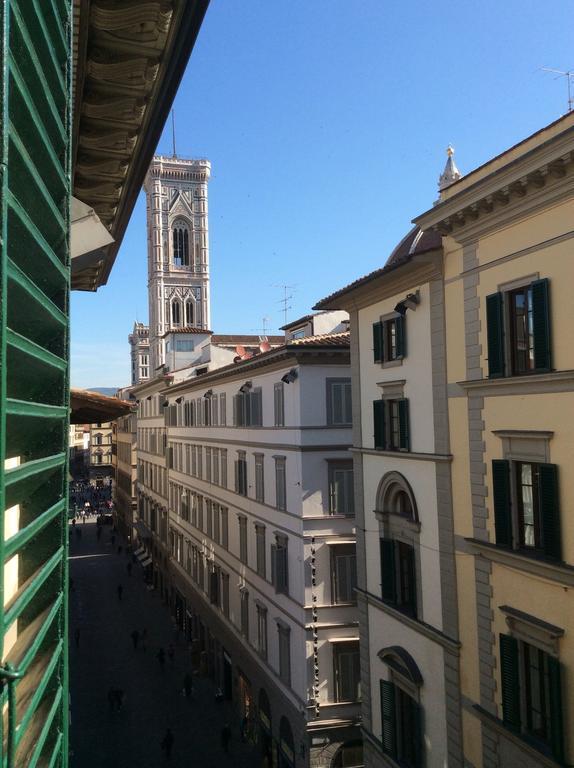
540	177
561	573
537	383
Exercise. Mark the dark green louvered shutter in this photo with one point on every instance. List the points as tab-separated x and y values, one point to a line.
556	723
379	423
495	334
388	719
510	681
388	579
404	429
541	325
417	716
401	338
549	509
378	342
501	499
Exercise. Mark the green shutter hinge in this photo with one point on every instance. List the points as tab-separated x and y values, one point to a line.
10	675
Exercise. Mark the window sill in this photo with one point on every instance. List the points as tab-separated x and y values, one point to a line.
521	741
559	572
403	454
552	381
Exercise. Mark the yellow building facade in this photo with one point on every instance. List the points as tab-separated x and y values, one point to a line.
508	237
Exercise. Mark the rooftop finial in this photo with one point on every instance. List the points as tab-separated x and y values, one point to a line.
451	172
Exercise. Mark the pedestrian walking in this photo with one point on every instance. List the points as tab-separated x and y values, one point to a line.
187	685
129	567
120	591
167	743
77	637
135	638
225	737
160	656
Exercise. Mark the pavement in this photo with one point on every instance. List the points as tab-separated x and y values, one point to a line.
105	658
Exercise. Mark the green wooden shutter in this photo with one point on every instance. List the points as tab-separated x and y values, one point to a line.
556	721
378	342
379	423
404	429
388	575
35	128
401	339
501	500
549	506
541	325
495	334
418	743
388	719
510	681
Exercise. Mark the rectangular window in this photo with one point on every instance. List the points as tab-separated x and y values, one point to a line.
280	564
343	573
215	473
279	404
398	576
260	549
391	425
518	330
241	473
242	520
245	613
347	671
224	528
208	464
280	483
223	473
214	586
222	410
526	507
225	594
401	726
259	478
341	490
214	410
200	512
248	409
209	518
262	631
216	522
284	653
389	339
339	403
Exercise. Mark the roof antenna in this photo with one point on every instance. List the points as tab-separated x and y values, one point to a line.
173	131
285	300
569	75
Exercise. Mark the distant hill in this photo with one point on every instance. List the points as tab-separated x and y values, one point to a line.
109	391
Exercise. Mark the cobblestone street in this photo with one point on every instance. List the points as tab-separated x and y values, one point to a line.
102	656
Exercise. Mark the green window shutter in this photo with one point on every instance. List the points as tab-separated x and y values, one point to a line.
556	723
388	718
388	579
541	325
510	681
379	423
417	716
495	334
404	430
501	500
549	509
401	328
378	342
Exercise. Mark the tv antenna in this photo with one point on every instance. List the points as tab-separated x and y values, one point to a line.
173	132
263	330
569	75
285	300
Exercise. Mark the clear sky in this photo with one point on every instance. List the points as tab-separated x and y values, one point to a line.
326	123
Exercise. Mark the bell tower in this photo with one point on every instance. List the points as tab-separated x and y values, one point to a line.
178	250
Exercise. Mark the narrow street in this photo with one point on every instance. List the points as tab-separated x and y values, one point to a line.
105	658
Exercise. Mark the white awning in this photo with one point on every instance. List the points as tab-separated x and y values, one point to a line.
87	232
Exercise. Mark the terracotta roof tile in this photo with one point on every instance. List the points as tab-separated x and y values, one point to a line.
322	340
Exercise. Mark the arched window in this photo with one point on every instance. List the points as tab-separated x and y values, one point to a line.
395	497
401	711
189	313
175	313
180	244
349	755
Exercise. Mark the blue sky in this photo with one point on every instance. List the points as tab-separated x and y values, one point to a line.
326	123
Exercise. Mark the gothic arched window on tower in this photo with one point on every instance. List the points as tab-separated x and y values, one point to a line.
175	313
180	245
189	313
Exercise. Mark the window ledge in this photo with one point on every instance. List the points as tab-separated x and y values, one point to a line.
562	573
518	739
552	381
403	454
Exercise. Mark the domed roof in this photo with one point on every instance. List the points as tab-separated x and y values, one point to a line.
415	242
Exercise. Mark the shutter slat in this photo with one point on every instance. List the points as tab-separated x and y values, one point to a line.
388	717
510	681
404	428
556	721
549	509
388	580
501	499
541	325
495	334
401	331
379	423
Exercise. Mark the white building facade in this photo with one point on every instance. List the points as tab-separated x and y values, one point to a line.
406	574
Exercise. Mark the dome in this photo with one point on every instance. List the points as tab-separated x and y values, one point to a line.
415	242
